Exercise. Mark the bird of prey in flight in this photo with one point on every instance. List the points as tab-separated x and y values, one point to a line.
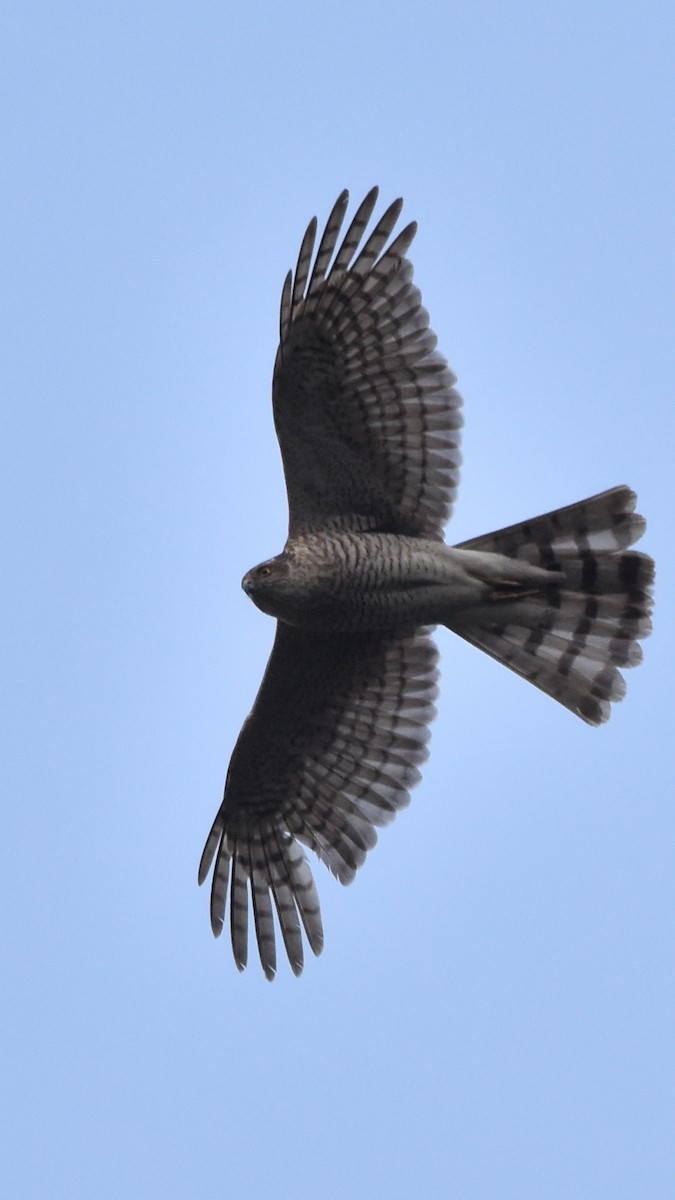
368	421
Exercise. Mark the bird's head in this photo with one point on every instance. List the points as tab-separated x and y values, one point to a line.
264	584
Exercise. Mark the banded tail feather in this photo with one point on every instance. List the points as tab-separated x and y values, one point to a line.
572	637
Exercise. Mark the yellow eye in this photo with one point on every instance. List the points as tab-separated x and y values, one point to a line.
264	571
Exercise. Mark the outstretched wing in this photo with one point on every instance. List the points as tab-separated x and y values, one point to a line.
364	405
329	751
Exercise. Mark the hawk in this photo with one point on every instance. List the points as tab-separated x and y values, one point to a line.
368	421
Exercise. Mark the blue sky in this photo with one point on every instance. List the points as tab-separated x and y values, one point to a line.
493	1013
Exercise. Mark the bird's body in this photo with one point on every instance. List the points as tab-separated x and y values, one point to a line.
358	582
368	422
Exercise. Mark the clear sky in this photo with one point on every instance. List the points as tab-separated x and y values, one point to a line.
492	1017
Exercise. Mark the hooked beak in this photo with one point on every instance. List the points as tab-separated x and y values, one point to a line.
247	584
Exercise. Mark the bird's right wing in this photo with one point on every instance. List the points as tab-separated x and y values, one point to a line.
329	751
365	409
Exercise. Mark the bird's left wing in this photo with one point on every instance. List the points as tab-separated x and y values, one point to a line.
330	750
364	405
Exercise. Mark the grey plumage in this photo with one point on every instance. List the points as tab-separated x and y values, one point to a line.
368	422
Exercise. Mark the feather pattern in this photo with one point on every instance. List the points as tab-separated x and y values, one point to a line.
572	637
365	407
337	759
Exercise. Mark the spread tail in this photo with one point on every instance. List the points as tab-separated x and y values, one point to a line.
570	637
